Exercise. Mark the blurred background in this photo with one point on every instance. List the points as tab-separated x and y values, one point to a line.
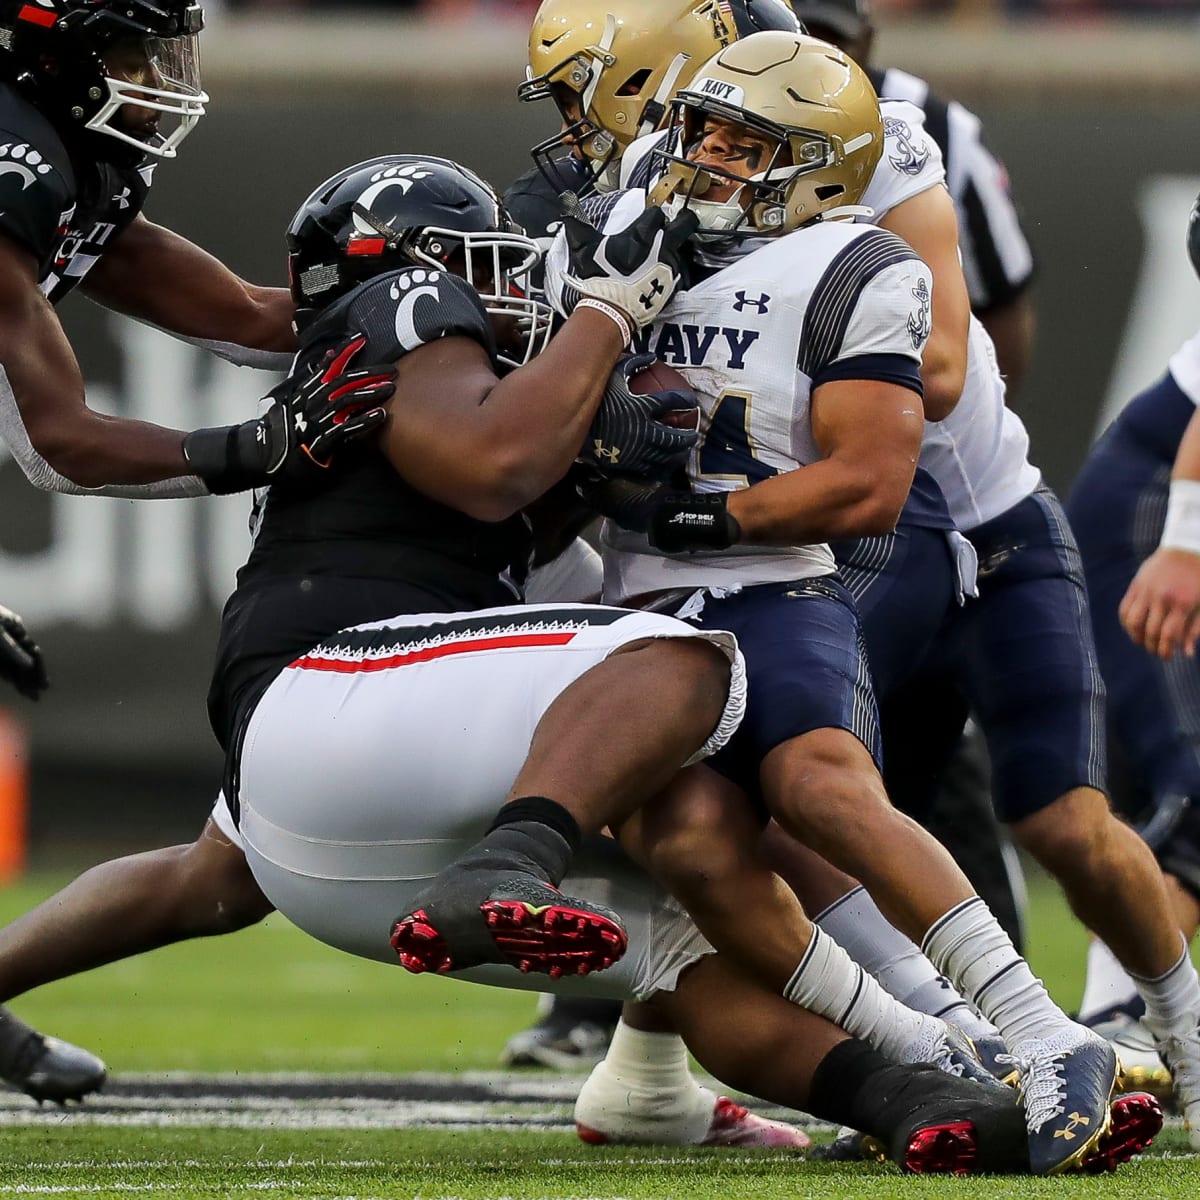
1092	104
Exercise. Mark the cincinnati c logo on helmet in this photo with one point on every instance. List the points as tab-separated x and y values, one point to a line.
403	176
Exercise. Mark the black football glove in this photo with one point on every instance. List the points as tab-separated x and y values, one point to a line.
20	659
674	520
312	417
636	270
627	437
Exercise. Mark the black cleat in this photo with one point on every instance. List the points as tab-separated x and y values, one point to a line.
44	1067
934	1123
1066	1085
570	1034
518	919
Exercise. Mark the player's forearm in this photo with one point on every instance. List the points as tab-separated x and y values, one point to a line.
822	502
537	417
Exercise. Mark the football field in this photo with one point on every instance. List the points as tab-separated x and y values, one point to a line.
265	1065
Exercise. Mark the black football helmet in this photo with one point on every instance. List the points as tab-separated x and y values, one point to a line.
1193	237
405	210
845	23
81	61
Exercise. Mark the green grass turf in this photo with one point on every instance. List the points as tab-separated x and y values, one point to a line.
300	1005
486	1166
269	998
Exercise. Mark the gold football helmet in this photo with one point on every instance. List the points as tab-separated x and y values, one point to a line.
814	105
612	66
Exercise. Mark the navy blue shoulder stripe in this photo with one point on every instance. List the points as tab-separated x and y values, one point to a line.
598	208
837	292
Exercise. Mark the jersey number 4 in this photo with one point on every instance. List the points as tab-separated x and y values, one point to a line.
726	449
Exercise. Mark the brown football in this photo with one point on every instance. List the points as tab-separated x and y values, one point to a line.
659	377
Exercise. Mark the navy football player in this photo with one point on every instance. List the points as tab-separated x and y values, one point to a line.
997	263
753	175
977	458
1134	508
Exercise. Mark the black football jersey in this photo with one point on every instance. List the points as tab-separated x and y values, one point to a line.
363	545
65	208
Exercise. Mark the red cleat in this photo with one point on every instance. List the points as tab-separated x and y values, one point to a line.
523	923
951	1149
1136	1121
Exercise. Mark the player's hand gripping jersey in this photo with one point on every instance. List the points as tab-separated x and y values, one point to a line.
754	338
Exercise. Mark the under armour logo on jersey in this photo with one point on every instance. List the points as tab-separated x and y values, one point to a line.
920	323
603	453
759	304
122	199
907	158
20	159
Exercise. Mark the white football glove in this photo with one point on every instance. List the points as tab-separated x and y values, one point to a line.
636	270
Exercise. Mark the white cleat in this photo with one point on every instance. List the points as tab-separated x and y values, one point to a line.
732	1125
1179	1046
1142	1067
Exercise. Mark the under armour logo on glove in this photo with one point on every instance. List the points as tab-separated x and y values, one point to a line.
314	415
629	433
636	270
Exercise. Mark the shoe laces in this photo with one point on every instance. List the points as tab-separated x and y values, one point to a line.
1043	1085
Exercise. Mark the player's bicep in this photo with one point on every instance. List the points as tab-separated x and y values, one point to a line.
928	223
40	369
436	438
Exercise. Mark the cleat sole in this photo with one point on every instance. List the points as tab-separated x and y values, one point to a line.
554	940
1136	1121
951	1149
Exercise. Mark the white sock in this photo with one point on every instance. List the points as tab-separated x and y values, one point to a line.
968	945
643	1091
1108	984
856	924
1174	997
829	983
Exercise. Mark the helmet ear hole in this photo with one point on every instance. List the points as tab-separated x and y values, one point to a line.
634	84
829	191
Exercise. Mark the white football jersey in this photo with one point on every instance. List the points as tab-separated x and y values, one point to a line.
979	455
1184	366
836	300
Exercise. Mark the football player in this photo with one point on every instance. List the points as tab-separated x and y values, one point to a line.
998	264
977	460
92	94
752	174
372	608
1133	509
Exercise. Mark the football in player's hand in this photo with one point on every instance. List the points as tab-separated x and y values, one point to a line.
659	377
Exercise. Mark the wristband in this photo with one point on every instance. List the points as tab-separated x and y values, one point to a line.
615	315
1182	528
227	458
